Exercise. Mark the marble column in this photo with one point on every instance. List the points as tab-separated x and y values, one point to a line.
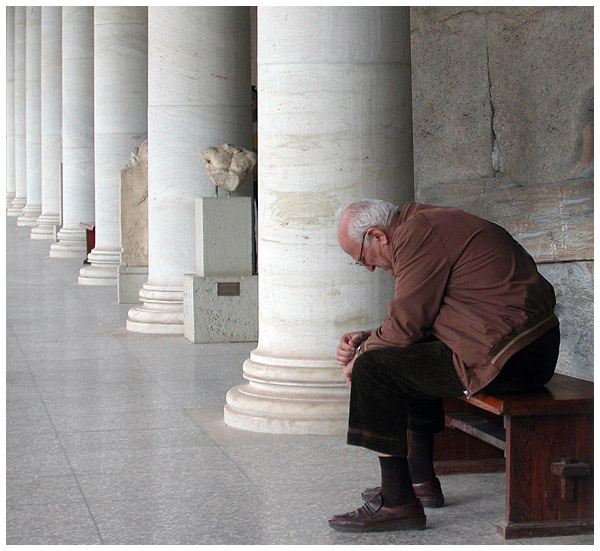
33	113
78	131
10	104
120	124
198	96
334	126
51	78
16	209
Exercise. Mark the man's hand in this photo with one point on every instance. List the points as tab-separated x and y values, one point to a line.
347	346
348	371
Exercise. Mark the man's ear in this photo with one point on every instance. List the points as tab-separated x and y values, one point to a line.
378	234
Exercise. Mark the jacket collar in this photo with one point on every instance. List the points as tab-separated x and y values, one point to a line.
405	213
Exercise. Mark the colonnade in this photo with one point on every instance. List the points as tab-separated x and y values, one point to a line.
120	124
16	207
33	128
334	125
51	121
10	106
77	131
199	93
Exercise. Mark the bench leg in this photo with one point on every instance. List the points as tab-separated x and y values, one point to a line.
542	500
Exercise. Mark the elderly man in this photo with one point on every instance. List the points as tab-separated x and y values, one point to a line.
470	312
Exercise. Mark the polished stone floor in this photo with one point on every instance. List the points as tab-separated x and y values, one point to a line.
118	438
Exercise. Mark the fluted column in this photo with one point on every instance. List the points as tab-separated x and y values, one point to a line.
198	96
33	138
120	124
334	125
20	199
51	121
10	104
78	131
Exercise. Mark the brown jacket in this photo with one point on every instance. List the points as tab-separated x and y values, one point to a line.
467	282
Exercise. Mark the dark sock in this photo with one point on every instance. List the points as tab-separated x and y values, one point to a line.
396	485
420	457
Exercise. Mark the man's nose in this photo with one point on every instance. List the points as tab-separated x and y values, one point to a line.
370	267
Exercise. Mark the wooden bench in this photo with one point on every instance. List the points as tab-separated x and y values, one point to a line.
90	238
544	441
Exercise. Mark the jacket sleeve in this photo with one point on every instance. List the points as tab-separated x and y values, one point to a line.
421	268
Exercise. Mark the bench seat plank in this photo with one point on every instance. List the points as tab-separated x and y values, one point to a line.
479	427
562	395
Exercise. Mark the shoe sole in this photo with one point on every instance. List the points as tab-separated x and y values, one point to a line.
432	503
435	503
420	525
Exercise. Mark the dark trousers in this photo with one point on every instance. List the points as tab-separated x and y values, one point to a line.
395	389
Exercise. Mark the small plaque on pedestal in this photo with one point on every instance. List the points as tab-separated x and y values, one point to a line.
220	309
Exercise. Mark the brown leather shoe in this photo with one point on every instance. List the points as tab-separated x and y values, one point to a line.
429	493
373	516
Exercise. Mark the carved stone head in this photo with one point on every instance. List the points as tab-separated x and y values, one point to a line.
228	165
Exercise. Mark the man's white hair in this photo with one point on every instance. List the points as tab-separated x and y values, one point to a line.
366	214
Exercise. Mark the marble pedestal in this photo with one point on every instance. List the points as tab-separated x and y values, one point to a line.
220	301
220	309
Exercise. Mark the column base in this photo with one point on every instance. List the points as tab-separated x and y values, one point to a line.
71	244
17	206
161	312
294	397
9	198
102	270
30	215
45	228
130	280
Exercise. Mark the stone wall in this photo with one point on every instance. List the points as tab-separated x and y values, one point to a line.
503	128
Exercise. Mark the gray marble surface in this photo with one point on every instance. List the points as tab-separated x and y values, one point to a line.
118	438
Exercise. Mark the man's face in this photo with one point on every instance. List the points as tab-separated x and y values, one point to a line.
376	254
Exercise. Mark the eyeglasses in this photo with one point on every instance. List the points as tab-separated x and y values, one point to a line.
360	261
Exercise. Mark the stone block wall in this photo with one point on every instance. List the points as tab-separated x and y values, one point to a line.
503	128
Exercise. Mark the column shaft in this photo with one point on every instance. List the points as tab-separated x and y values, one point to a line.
20	199
199	95
78	131
33	139
334	125
10	104
120	124
51	104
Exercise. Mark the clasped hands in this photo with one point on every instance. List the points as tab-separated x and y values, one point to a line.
346	351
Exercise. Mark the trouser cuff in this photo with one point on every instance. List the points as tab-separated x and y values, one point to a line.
378	443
